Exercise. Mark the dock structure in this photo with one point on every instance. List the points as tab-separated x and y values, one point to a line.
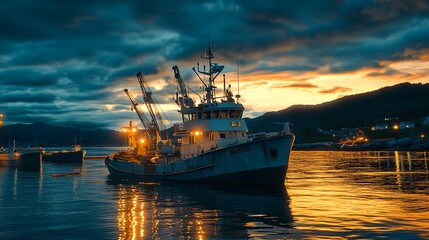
94	157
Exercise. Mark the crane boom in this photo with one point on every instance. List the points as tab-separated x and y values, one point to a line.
144	120
184	100
151	106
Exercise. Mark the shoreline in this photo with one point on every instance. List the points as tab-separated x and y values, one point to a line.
402	144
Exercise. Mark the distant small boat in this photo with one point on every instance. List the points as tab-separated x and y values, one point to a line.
24	159
76	155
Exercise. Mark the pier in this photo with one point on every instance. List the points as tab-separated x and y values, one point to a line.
94	157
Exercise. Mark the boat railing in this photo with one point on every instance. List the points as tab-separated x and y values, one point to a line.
207	146
262	135
256	136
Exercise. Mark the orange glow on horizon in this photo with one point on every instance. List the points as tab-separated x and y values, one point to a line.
282	89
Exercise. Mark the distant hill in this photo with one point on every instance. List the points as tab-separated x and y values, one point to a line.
42	134
405	101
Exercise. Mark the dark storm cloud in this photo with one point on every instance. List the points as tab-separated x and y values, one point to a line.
297	85
84	52
27	77
388	72
27	97
335	89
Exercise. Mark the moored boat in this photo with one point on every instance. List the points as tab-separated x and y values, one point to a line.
213	144
76	155
24	159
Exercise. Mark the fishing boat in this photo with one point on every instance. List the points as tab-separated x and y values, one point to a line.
24	159
213	144
76	155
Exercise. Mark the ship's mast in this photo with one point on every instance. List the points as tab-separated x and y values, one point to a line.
213	71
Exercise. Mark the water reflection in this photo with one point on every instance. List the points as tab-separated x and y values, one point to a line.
330	195
167	210
408	170
360	194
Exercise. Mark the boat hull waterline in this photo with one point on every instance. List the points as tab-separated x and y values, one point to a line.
28	160
262	161
64	157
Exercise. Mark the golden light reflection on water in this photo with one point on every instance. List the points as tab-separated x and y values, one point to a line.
143	216
332	195
131	216
352	194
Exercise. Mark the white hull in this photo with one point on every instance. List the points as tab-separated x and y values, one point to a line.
262	161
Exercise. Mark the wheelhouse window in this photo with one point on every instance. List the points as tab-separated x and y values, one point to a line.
222	135
191	139
185	117
223	113
211	136
239	113
231	113
216	114
207	115
199	115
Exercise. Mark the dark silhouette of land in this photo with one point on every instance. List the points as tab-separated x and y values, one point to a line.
402	102
43	135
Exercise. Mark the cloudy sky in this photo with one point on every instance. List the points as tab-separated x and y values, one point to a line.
67	62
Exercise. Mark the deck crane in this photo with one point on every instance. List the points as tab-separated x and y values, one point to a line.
144	120
184	100
152	107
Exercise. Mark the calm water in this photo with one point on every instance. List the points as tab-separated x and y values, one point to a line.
339	195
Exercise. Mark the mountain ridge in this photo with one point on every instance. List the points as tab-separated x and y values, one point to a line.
404	101
44	134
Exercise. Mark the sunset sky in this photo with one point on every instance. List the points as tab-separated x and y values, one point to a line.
67	62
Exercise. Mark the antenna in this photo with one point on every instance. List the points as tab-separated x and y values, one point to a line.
238	77
208	32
